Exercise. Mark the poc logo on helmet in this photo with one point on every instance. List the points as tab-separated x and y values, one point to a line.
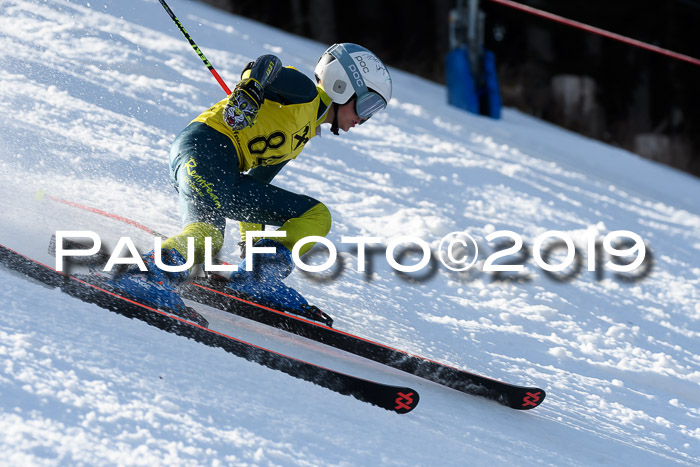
356	76
363	64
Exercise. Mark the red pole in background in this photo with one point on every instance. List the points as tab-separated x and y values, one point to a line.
594	30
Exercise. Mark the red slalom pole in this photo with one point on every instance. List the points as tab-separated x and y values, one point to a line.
195	47
41	194
598	31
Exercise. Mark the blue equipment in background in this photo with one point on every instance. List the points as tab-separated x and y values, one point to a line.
470	71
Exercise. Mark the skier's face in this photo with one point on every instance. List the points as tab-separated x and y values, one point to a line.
347	117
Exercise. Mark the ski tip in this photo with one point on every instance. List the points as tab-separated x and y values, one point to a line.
406	400
529	399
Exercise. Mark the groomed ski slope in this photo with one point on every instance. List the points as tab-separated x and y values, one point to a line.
92	93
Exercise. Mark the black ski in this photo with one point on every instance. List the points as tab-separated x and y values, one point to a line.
212	292
398	399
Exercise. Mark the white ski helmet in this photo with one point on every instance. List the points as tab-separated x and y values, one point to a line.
346	70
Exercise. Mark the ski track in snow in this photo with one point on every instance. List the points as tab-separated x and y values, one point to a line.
91	95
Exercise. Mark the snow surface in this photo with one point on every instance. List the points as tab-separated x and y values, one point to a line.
91	95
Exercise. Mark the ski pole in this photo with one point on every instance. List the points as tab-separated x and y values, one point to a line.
195	47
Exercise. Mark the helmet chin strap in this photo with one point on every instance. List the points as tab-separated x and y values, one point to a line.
334	125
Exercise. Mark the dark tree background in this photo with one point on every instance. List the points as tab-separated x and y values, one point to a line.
625	96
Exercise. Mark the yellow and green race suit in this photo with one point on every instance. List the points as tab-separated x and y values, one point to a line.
225	174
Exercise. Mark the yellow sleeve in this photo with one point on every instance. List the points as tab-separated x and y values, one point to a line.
246	227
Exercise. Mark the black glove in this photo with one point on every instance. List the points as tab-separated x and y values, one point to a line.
243	105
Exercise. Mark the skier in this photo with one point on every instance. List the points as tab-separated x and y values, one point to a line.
222	164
